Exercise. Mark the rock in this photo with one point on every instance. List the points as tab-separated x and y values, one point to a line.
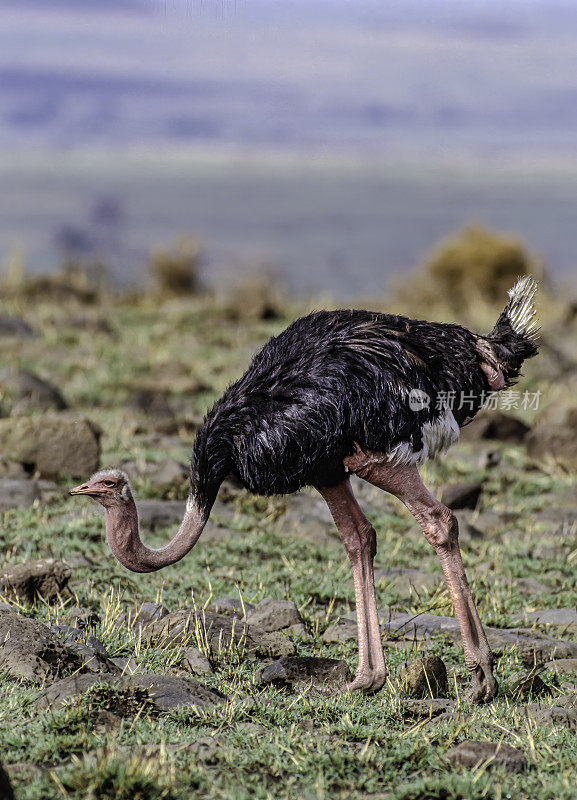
230	605
341	630
12	470
165	692
32	393
563	666
18	493
562	617
418	625
52	445
425	677
80	617
307	518
531	685
152	402
554	716
534	648
306	669
147	612
156	514
196	662
14	326
125	664
461	495
29	649
530	586
492	754
169	473
181	628
89	649
495	425
553	441
407	581
106	722
274	615
429	707
6	792
45	578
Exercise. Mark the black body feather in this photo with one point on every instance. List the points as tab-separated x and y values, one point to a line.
330	380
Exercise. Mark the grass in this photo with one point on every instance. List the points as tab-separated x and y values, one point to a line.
267	743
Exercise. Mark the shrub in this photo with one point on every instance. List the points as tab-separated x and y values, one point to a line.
177	271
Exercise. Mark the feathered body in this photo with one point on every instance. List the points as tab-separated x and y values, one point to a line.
335	380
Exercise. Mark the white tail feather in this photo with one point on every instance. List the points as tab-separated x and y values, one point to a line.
520	309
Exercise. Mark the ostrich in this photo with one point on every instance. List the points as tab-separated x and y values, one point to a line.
340	393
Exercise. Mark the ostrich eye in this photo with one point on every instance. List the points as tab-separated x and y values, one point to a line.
109	483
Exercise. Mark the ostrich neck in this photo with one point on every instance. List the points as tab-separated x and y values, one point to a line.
124	538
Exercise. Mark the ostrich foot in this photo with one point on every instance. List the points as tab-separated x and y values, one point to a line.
369	682
483	687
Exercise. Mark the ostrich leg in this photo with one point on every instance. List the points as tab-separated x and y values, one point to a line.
441	530
360	542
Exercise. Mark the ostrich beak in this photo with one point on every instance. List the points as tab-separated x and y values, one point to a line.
84	488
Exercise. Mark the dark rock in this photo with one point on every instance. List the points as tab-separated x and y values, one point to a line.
461	495
306	669
106	722
52	445
496	425
534	648
531	685
32	393
230	605
156	514
147	612
6	792
429	707
418	625
554	716
126	664
425	677
45	578
181	628
553	441
492	754
274	615
18	493
14	326
165	692
341	630
29	649
196	662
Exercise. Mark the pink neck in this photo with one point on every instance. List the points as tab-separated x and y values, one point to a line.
125	542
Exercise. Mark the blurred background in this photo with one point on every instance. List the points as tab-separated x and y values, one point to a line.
328	144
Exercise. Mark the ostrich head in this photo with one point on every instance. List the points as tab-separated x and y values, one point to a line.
109	487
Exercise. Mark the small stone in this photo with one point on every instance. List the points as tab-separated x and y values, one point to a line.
273	615
17	493
196	662
12	470
341	630
29	649
306	669
496	425
553	441
147	612
531	685
554	716
461	495
561	617
80	617
44	579
106	722
425	677
157	514
429	707
230	605
308	519
32	393
492	754
126	664
563	666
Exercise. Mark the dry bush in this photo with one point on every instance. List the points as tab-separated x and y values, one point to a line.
255	295
474	265
176	272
